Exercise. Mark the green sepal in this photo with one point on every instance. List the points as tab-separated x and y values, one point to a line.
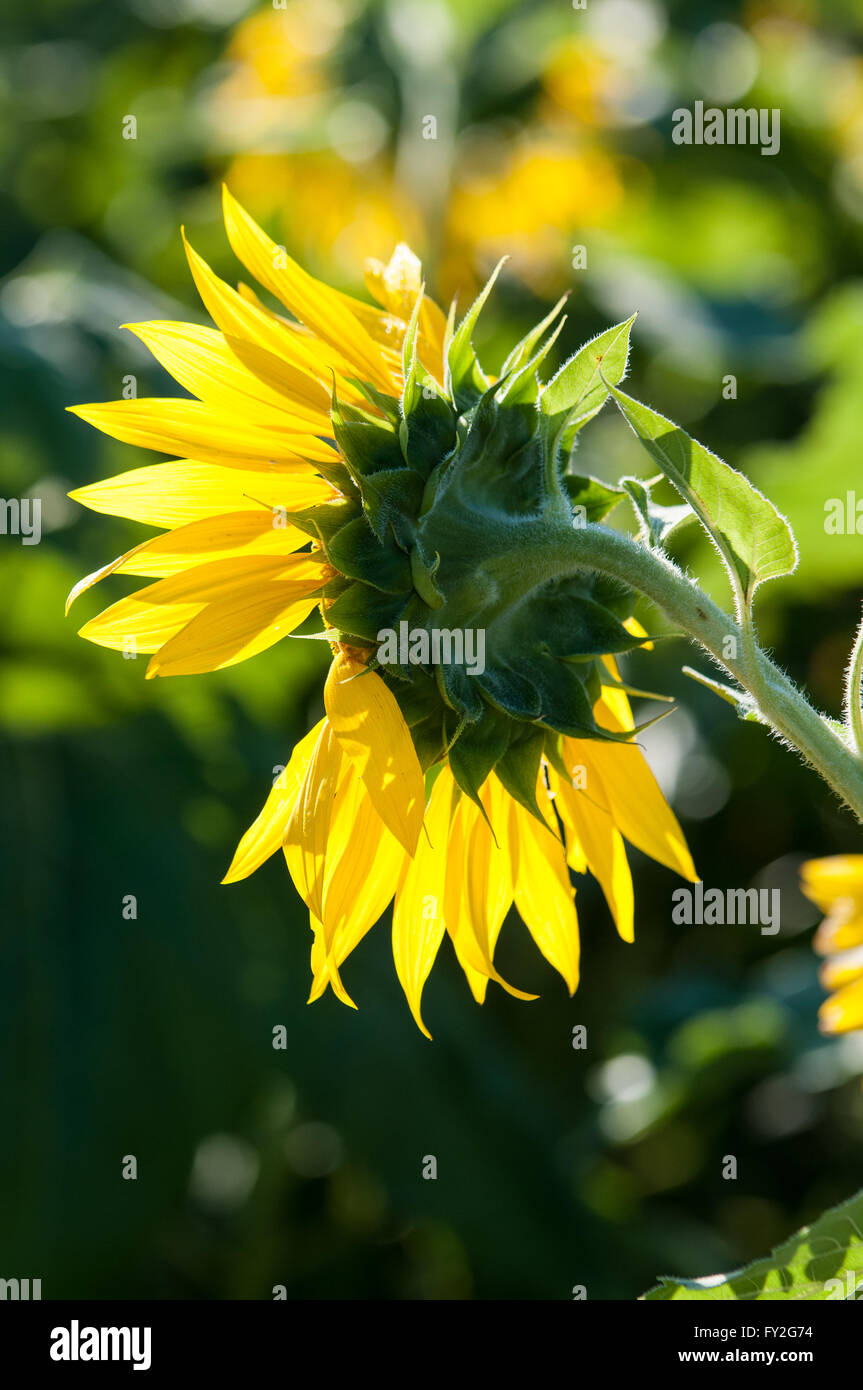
427	433
476	751
391	498
523	349
386	404
518	769
465	379
368	446
324	520
356	552
522	386
500	462
510	692
365	612
459	691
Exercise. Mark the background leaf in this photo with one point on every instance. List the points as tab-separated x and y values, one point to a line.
802	1267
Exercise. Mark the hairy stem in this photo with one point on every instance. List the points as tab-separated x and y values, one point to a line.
778	702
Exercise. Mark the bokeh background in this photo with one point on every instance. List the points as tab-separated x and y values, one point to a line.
153	1037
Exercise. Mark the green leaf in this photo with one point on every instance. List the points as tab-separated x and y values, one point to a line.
580	389
743	703
821	1262
752	537
596	498
657	522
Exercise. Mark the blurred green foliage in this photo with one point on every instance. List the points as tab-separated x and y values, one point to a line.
556	1167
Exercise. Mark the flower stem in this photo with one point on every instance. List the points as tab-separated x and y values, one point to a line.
779	703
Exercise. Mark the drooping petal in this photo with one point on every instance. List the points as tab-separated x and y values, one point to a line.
478	891
594	842
418	915
619	779
265	834
372	731
364	863
544	896
307	831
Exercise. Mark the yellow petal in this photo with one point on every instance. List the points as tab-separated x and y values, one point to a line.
286	379
593	840
479	889
154	614
176	493
363	866
212	538
456	916
175	426
265	834
305	839
311	301
843	969
418	915
837	876
324	969
233	630
544	896
844	1011
618	777
372	731
841	928
244	318
201	361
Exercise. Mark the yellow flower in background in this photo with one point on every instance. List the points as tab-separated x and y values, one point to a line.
363	214
835	885
359	461
524	198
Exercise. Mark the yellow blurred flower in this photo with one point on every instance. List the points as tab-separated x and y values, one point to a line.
333	211
527	198
835	884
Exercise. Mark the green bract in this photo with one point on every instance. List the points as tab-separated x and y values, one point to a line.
454	511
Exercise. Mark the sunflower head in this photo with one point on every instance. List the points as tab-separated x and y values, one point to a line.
452	494
360	461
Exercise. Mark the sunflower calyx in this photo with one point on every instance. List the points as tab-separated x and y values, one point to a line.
453	500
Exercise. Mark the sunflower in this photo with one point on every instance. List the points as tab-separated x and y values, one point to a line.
359	461
835	885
